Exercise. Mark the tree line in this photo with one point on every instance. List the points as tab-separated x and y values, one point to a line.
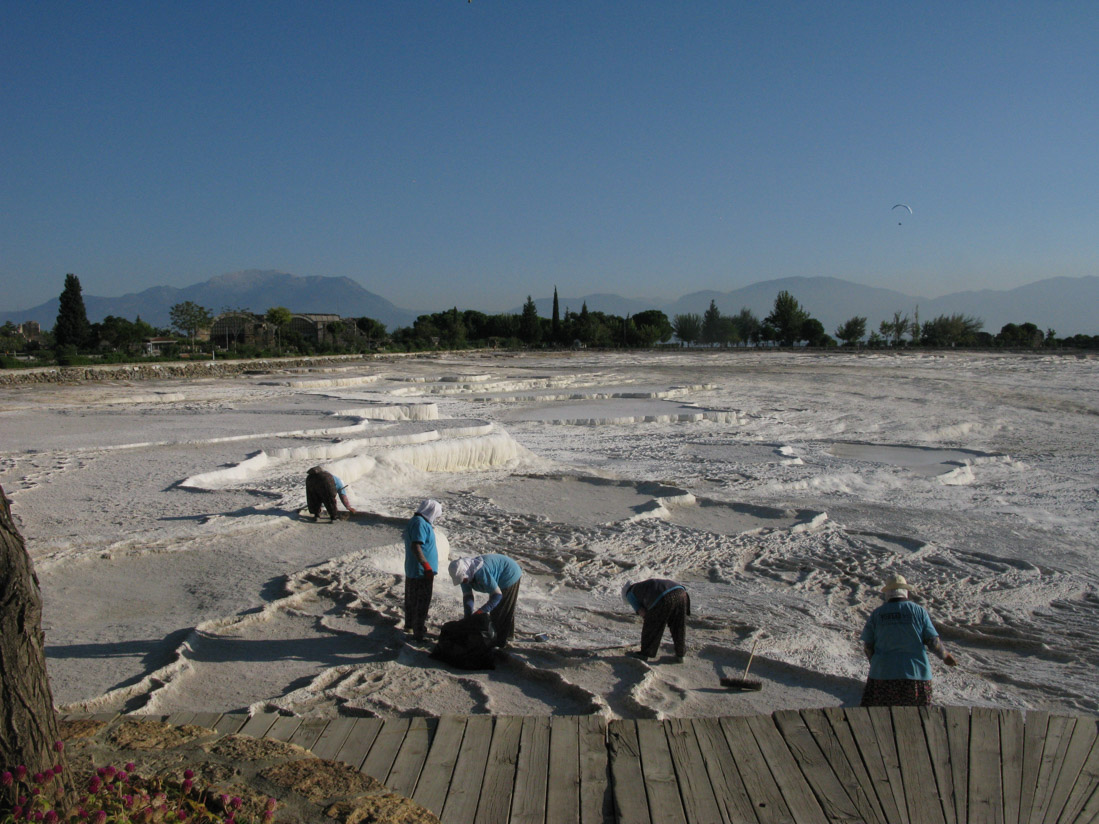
75	340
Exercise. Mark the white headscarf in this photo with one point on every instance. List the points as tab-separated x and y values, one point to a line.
430	509
462	568
626	589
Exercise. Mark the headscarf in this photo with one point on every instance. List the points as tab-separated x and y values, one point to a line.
895	587
462	568
430	509
626	589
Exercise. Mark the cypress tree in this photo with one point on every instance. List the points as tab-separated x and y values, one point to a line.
72	327
556	323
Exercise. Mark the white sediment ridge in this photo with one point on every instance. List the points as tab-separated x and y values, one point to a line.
165	522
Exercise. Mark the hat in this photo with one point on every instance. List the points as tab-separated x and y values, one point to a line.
895	582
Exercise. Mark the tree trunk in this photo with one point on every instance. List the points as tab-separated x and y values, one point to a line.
28	724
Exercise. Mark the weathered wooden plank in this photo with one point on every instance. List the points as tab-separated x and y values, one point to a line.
206	719
465	784
499	781
759	783
1011	761
920	790
596	804
528	805
938	746
855	731
1034	742
729	792
258	725
284	727
383	752
1058	733
309	732
230	723
1090	812
838	745
333	736
563	793
882	723
665	805
431	789
784	767
106	717
699	802
986	799
359	741
1086	785
1079	746
957	733
411	757
628	783
821	776
178	719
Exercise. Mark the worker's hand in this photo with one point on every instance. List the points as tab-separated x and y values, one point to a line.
642	612
479	612
429	571
950	660
352	511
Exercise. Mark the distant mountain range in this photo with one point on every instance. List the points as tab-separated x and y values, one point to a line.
1067	305
254	290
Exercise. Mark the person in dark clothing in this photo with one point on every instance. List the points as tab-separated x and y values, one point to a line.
421	562
661	603
321	488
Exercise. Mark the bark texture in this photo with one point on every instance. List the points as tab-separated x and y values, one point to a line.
28	724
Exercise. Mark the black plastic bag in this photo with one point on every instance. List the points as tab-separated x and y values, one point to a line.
467	644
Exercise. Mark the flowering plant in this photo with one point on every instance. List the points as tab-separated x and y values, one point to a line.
117	796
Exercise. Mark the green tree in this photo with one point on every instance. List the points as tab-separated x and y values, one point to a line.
895	329
852	330
279	317
530	325
71	327
952	330
711	324
786	319
747	325
687	327
555	323
812	331
652	325
371	329
188	317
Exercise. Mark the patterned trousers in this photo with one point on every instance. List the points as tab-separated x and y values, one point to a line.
417	601
503	615
671	611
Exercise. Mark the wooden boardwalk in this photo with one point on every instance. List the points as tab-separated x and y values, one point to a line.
943	765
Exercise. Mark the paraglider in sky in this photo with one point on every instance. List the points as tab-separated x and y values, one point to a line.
902	206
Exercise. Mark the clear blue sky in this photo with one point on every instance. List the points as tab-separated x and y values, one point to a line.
444	152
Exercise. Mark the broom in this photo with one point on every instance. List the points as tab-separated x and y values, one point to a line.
744	682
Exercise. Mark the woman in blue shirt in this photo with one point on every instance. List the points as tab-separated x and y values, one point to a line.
421	560
895	639
498	576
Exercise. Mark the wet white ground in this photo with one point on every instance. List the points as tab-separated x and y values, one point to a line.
780	488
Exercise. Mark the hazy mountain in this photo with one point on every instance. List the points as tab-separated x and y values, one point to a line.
1067	305
254	290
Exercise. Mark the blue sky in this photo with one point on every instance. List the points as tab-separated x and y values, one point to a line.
444	152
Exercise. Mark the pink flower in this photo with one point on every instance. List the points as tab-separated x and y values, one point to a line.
268	815
7	779
100	817
95	784
188	773
130	766
50	817
38	815
58	769
39	778
187	784
59	745
17	812
236	802
182	813
20	773
272	805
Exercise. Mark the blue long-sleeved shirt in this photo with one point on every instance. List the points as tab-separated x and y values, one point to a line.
497	573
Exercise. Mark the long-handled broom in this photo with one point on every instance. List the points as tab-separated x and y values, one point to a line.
744	682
